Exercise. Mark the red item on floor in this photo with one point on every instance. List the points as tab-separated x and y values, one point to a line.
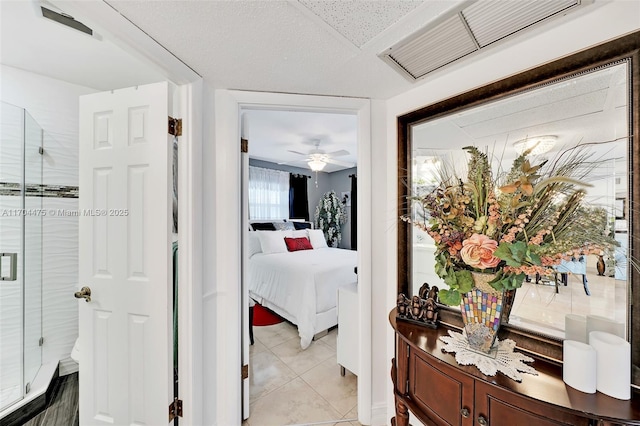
263	316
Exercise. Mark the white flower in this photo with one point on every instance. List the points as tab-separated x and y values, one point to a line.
330	215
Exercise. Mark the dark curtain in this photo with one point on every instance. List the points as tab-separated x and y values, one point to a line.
354	212
298	198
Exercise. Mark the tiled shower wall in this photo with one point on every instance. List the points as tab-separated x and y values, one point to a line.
54	105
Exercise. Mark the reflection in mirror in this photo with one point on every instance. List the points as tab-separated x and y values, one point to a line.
589	109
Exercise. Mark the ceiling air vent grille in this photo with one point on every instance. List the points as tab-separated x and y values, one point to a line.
65	19
434	48
490	21
471	29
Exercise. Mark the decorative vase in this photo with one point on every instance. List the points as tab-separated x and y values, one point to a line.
484	309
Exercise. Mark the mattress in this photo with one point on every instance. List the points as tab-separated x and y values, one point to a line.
303	283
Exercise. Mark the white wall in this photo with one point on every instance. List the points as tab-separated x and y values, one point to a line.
212	337
600	22
54	105
383	234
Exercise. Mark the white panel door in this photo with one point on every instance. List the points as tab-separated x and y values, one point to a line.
125	257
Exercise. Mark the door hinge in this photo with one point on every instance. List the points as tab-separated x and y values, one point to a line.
245	372
41	341
244	145
27	388
175	126
175	409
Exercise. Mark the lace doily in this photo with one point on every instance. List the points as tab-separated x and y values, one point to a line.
506	361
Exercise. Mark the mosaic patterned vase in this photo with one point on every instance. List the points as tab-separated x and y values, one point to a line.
484	309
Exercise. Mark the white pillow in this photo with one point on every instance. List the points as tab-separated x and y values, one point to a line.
254	243
316	237
299	233
283	226
273	241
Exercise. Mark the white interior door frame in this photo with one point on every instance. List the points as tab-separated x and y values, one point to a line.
228	106
189	103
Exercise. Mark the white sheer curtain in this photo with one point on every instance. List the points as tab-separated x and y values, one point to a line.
268	194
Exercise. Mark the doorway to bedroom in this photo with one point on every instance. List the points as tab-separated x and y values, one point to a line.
299	266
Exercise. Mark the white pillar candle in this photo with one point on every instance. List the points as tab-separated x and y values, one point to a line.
613	364
598	323
575	328
579	366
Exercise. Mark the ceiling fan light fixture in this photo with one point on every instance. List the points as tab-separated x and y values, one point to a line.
316	165
538	144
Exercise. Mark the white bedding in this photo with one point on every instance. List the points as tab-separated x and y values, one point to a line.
302	283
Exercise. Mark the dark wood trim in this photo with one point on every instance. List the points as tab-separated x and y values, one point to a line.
623	48
546	388
404	231
633	217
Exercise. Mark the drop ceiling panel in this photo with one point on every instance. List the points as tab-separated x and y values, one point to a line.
360	21
574	114
558	92
584	105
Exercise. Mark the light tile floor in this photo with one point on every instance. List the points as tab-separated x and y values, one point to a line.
291	386
539	307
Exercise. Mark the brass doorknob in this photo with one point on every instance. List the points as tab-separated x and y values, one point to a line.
84	293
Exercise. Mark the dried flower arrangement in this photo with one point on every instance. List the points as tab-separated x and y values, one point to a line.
522	223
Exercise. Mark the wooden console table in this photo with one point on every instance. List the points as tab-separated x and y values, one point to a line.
438	391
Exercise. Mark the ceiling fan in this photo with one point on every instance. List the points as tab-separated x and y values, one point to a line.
317	159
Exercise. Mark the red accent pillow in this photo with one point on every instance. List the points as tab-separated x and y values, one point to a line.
295	244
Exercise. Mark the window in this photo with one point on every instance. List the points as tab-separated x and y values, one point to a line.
268	194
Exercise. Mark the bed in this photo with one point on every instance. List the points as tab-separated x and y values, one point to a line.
300	285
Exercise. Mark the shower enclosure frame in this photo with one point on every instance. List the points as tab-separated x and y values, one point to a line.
21	225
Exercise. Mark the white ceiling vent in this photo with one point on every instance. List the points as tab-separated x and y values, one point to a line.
482	23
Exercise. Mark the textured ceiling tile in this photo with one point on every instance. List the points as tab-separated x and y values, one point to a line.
360	21
250	45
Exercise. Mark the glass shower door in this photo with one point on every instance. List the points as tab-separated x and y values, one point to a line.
32	236
11	246
21	260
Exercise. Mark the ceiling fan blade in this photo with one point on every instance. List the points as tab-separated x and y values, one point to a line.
338	153
292	162
339	163
296	152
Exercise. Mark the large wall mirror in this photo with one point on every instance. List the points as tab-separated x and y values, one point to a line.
589	98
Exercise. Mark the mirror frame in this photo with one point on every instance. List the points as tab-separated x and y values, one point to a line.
625	48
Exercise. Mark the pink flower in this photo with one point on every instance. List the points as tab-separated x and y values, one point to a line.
477	251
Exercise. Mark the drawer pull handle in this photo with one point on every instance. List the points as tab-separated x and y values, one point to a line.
465	413
482	421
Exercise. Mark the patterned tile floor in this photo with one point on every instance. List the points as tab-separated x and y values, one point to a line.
289	386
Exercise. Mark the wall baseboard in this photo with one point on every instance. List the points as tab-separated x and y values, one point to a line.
379	415
68	366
